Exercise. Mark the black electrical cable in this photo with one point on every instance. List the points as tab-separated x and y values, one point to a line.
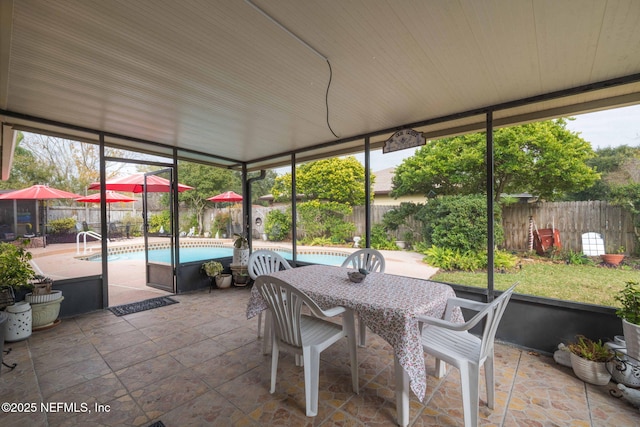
326	98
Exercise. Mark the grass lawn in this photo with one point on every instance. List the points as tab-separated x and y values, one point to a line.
580	283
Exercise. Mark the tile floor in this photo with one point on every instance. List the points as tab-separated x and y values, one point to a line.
199	363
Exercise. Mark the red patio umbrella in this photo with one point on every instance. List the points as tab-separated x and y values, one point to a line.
227	196
135	184
39	192
112	197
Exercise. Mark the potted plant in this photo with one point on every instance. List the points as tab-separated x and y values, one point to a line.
214	270
240	249
629	312
241	279
615	257
589	360
45	303
15	270
16	275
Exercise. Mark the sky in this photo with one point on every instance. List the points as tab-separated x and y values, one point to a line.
610	128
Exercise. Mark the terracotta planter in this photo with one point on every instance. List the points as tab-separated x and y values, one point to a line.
595	373
613	259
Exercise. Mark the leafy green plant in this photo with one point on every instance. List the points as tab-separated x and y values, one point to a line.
440	257
590	350
240	241
449	259
504	259
212	268
62	225
577	258
220	223
380	239
15	270
277	225
317	241
629	299
160	221
325	219
459	223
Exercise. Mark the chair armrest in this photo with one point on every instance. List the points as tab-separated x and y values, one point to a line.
466	303
331	312
462	303
425	320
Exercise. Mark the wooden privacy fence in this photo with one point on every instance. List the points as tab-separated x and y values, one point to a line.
377	213
572	219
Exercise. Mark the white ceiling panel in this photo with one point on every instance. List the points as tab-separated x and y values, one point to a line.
221	78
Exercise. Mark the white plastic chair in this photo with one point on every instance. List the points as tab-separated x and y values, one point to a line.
371	260
261	262
305	335
452	343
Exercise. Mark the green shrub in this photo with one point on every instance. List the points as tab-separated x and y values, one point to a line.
15	270
503	259
220	223
576	258
450	259
443	258
400	217
317	241
325	219
277	225
62	225
380	239
160	221
459	223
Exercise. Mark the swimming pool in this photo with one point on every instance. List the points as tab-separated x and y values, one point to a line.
193	254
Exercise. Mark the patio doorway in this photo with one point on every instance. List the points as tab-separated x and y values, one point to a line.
160	274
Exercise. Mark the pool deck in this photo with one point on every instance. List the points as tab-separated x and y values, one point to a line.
127	277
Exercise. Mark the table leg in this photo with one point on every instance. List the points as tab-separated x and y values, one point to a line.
402	394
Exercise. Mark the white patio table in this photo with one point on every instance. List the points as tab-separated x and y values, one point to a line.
388	305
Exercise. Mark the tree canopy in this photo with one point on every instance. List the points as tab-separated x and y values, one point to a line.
63	163
334	179
542	158
207	181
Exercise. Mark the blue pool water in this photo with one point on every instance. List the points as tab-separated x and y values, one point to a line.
201	254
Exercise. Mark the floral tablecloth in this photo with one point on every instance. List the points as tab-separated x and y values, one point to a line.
386	303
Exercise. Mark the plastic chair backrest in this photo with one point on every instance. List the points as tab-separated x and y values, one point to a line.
369	259
285	303
264	261
493	313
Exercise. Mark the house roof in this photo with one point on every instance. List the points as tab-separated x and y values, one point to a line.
252	81
383	183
